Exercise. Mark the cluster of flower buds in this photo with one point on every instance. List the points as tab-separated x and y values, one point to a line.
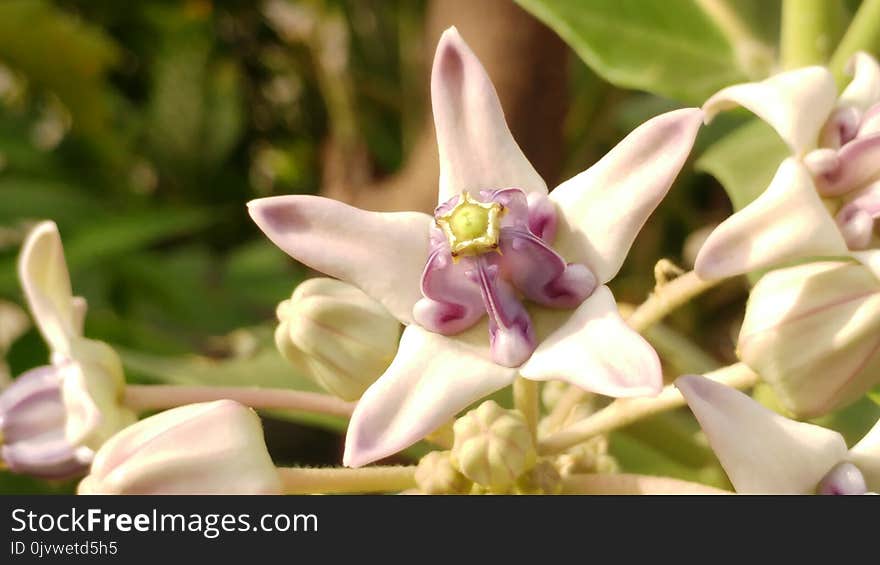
810	329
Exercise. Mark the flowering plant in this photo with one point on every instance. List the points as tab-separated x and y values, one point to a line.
455	321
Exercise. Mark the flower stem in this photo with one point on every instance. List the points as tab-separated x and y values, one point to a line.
632	484
525	399
808	31
155	397
296	480
625	411
863	34
665	298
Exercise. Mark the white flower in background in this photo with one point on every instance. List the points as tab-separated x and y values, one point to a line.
13	324
766	453
53	418
810	330
336	335
824	199
207	448
500	257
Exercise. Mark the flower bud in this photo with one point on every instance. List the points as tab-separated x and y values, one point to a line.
436	475
336	335
493	446
543	478
32	428
811	332
207	448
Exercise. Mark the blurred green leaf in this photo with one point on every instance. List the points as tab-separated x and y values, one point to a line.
669	48
62	54
111	237
745	161
263	367
635	456
854	421
224	113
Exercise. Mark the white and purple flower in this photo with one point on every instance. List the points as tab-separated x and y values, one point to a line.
766	453
501	256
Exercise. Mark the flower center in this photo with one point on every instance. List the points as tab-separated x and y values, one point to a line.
471	227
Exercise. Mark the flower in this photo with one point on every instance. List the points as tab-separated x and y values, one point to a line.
812	332
824	199
13	323
73	405
496	238
766	453
206	448
32	421
336	335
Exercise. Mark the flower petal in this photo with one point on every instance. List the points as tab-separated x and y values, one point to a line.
857	163
46	283
432	378
866	456
602	209
788	221
477	150
761	451
863	91
795	103
595	350
381	253
870	258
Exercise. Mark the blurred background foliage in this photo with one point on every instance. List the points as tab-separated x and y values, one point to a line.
142	128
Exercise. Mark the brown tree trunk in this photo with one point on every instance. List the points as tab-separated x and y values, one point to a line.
526	61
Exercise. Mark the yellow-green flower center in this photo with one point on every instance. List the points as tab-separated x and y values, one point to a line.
471	226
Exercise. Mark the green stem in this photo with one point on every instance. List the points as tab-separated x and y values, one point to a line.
632	484
159	397
296	480
863	34
808	31
525	399
625	411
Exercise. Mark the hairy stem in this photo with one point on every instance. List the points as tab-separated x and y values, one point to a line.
808	31
632	484
863	35
525	399
155	397
625	411
337	480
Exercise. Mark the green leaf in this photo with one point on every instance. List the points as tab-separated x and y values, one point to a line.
261	367
874	394
668	48
60	53
635	456
745	161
